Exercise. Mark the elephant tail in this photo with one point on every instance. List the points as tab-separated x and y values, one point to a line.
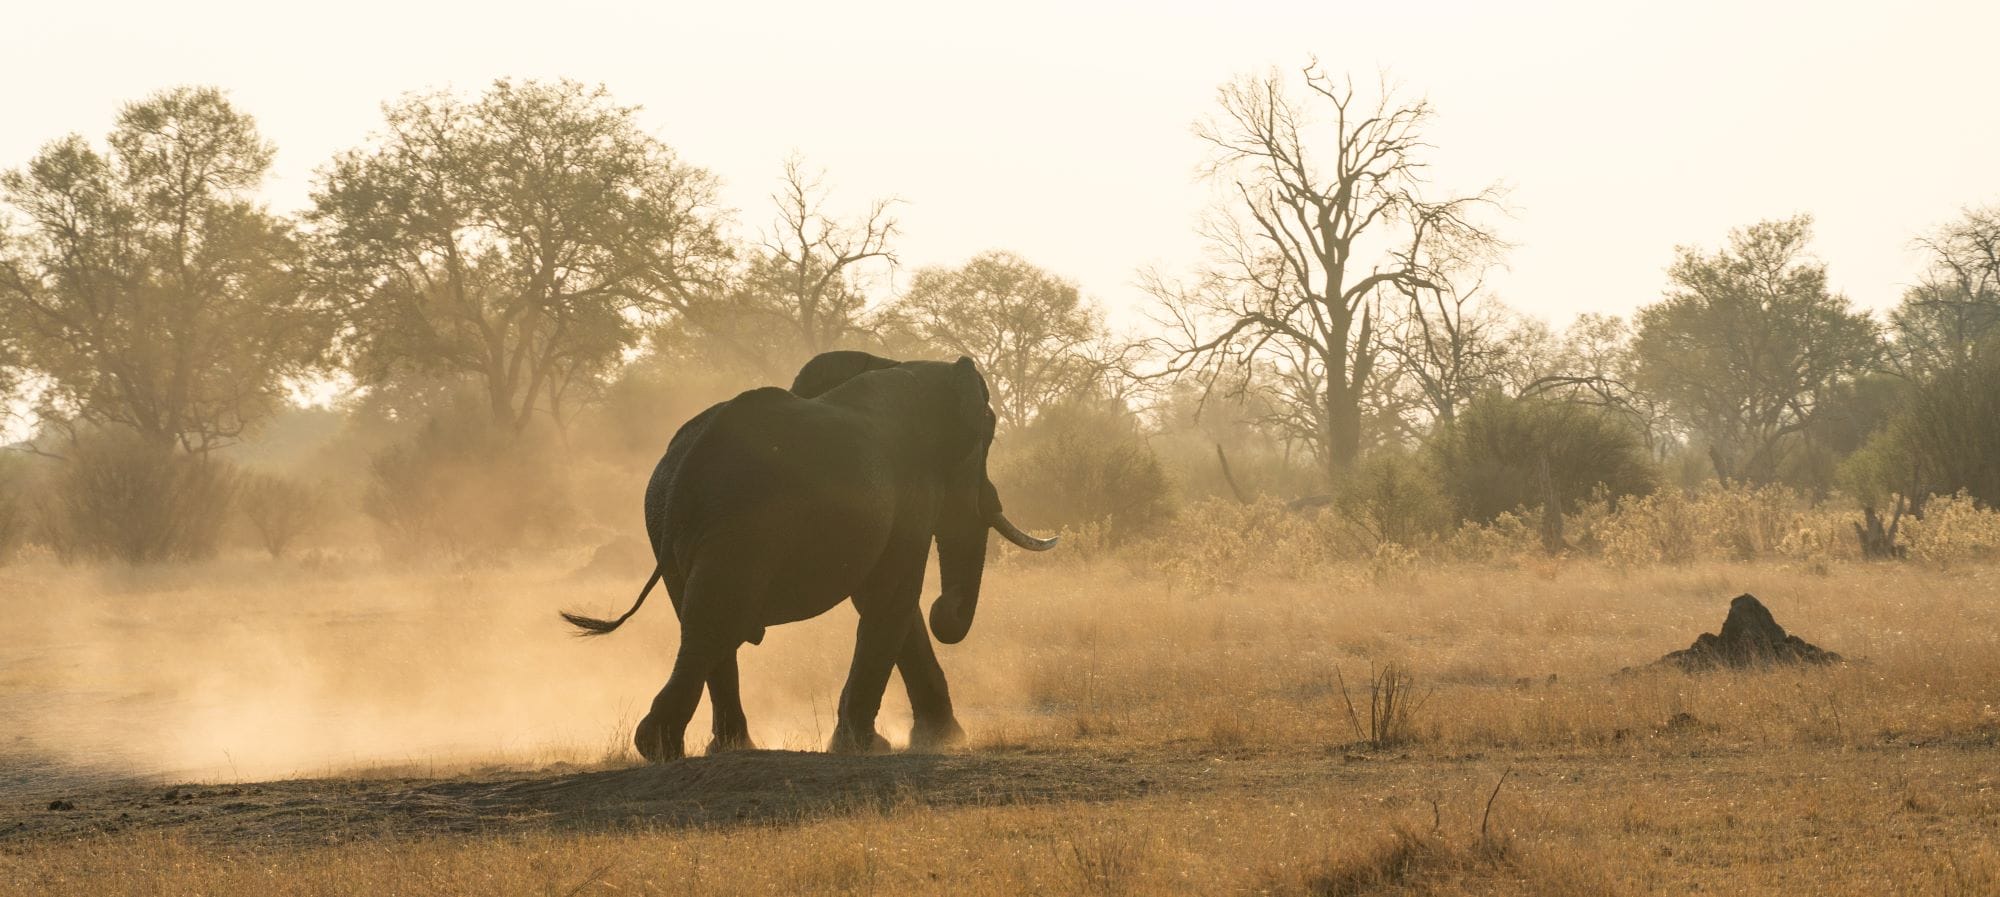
594	626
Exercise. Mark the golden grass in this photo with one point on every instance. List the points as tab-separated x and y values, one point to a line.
1870	777
1750	825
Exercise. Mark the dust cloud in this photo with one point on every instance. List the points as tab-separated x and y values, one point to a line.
256	670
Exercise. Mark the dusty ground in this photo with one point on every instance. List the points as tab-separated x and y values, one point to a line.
1125	741
755	787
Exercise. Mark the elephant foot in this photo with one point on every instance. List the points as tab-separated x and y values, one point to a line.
721	744
846	741
654	745
935	734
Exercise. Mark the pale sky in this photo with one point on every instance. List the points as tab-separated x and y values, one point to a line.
1062	131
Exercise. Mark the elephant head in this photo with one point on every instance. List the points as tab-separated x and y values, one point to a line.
961	425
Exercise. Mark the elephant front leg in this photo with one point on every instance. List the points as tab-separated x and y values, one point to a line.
934	725
877	643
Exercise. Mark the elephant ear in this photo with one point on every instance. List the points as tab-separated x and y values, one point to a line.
830	369
975	404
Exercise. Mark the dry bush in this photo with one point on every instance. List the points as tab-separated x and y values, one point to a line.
1954	529
118	497
1394	700
1508	538
1730	521
280	509
1218	543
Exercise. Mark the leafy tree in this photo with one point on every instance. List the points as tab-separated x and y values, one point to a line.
519	239
148	290
1324	210
1952	428
1031	332
1748	343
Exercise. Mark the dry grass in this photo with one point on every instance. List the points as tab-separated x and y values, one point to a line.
1870	777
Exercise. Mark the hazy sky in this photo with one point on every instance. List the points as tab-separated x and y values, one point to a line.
1061	130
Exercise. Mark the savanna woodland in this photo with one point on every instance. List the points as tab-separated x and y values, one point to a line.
1363	586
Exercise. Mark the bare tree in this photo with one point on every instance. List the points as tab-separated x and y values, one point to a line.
1324	211
1953	313
1447	343
803	288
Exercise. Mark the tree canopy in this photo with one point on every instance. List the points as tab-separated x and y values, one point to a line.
148	289
1030	331
519	238
1749	342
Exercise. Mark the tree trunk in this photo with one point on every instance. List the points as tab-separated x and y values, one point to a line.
1552	514
1343	433
1878	543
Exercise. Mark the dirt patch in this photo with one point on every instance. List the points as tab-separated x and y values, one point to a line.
749	787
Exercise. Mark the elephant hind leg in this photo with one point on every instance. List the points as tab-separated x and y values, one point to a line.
725	697
710	612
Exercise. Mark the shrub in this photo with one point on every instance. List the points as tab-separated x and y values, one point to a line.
1954	528
1219	543
1502	454
1080	464
280	510
1396	497
464	488
117	496
1735	521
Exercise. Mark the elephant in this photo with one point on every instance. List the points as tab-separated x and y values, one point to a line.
777	505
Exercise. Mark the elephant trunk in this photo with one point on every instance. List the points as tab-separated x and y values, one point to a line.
961	565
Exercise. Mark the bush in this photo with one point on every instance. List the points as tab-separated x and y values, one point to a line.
1083	464
1219	543
280	510
1495	455
117	496
1397	498
1733	521
462	488
1954	528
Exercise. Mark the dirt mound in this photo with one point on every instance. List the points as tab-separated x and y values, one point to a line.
1750	637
